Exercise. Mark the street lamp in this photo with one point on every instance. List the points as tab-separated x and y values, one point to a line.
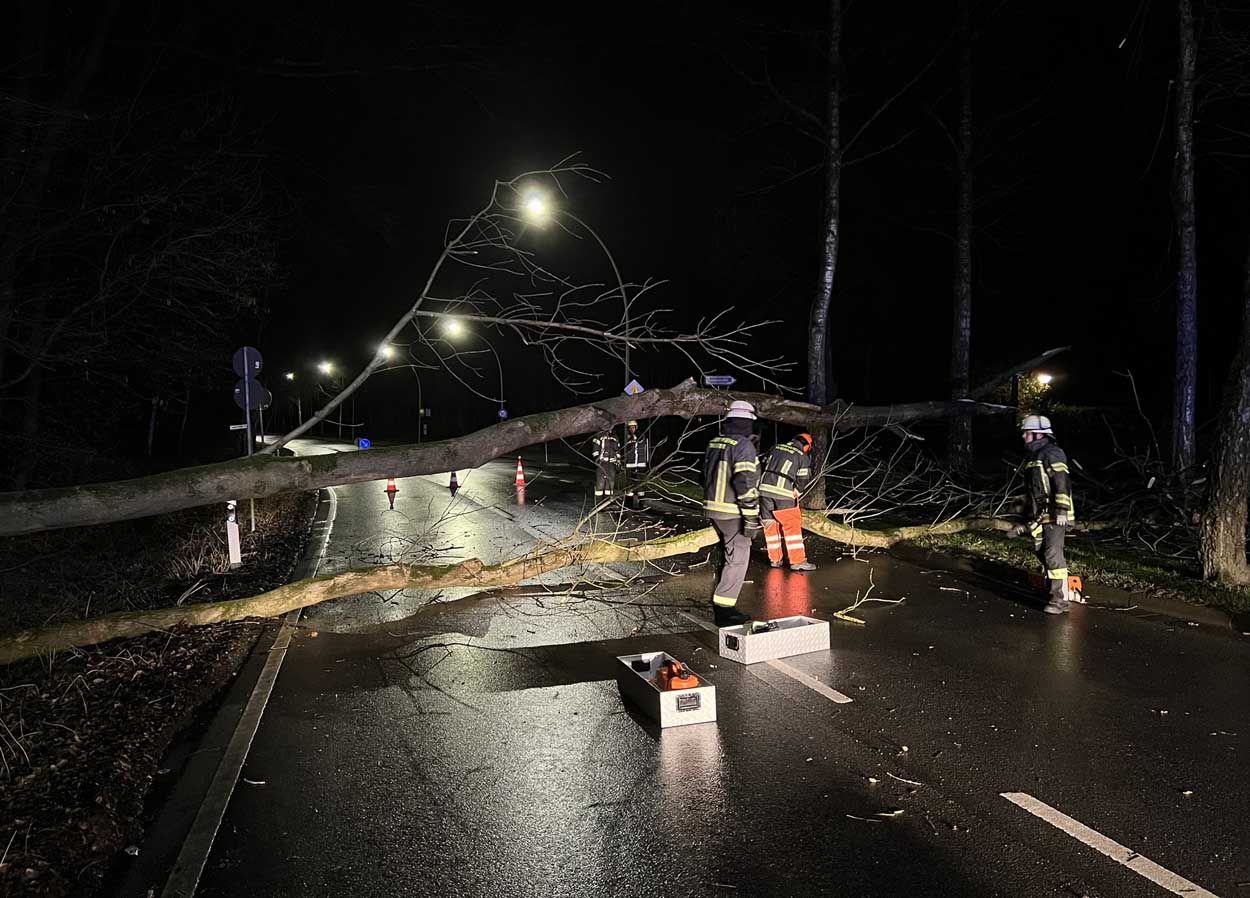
537	209
326	368
455	328
290	375
386	351
299	402
1044	379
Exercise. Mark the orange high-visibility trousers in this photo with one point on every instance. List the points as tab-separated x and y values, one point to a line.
785	530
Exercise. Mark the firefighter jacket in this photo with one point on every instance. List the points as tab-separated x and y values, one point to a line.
786	470
1048	481
606	449
731	474
637	452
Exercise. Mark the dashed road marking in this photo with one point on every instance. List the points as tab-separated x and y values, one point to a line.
1140	865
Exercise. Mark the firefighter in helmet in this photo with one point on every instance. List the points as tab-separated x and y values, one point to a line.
605	451
1050	506
731	502
787	470
637	459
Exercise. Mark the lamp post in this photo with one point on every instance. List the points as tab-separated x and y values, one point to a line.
538	209
299	402
327	370
455	328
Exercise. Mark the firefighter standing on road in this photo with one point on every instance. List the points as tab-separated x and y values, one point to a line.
606	453
1050	505
787	470
637	459
731	502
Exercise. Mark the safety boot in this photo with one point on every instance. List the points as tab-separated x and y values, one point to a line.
803	567
1058	603
776	564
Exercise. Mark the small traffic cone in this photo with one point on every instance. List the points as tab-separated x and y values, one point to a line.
520	473
391	490
454	485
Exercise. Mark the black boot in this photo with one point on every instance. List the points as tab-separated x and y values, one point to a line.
1058	603
728	616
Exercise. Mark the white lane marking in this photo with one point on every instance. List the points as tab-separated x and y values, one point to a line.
189	867
1142	866
781	667
810	682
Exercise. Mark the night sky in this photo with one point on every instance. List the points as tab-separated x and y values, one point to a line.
381	122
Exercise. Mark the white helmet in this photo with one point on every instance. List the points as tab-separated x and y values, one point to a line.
741	409
1036	424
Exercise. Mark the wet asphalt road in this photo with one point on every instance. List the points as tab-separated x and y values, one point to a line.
479	745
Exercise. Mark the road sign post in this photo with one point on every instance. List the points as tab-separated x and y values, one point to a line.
232	533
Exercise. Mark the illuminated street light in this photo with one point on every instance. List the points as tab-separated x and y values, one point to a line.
290	375
537	209
453	327
325	368
386	351
1044	379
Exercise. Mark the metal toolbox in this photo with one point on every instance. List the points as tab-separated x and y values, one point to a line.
668	707
788	636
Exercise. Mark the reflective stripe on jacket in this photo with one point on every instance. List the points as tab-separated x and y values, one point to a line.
606	449
1049	483
637	452
731	474
786	469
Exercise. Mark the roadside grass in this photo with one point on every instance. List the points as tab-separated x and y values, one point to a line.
1101	561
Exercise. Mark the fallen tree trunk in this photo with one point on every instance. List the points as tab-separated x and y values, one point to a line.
267	475
315	590
471	574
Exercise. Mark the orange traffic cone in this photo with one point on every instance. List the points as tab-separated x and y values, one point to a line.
391	490
454	485
520	472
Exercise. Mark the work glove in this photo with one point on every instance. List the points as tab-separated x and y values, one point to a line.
1018	530
1061	519
751	527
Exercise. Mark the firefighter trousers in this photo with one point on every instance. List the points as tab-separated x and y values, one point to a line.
1049	547
735	555
605	479
633	486
783	529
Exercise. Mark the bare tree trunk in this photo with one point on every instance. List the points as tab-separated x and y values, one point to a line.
1222	542
1186	379
959	442
818	366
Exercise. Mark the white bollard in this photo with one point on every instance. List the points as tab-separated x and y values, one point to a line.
232	533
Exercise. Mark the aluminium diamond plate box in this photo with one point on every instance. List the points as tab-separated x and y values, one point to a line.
667	707
789	636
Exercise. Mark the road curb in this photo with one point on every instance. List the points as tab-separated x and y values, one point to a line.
167	832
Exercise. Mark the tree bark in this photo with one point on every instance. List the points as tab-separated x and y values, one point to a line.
1222	536
268	475
818	365
959	438
1184	402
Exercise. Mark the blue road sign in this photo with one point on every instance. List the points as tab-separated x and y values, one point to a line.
719	380
633	388
364	443
503	413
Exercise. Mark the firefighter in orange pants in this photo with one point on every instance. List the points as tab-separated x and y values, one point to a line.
787	470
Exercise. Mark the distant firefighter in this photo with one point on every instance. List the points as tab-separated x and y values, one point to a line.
1050	506
606	453
787	470
637	460
731	501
